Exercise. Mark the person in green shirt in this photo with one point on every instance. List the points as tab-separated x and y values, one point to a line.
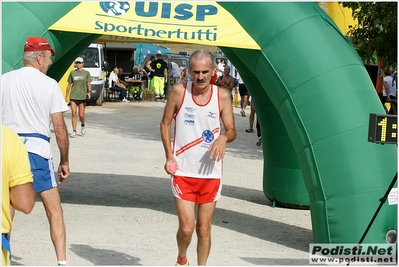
78	90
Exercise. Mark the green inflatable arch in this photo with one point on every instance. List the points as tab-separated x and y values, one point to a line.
313	98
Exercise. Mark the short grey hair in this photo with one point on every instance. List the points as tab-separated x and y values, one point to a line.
30	56
200	54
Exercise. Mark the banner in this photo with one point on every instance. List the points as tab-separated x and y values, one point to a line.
124	39
181	22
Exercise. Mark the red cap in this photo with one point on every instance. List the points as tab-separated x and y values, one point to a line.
37	43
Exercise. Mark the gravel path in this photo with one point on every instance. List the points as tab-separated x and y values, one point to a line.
119	209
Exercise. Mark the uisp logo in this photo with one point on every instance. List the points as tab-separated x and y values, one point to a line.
115	8
208	136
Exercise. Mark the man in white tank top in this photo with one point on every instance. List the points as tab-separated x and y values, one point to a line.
195	161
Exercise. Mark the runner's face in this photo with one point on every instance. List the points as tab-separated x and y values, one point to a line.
201	72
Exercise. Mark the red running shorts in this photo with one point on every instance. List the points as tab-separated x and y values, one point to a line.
196	190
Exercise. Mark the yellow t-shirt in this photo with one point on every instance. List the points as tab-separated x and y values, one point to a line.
15	171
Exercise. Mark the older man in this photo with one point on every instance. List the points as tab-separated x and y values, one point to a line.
196	160
116	85
30	99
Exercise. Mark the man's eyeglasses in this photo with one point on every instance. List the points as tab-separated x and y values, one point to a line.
77	62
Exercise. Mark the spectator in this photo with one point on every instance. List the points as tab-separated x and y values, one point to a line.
258	133
214	76
389	92
149	72
251	119
243	94
30	101
175	72
227	81
121	77
79	88
135	88
17	190
137	74
220	67
184	77
115	85
159	70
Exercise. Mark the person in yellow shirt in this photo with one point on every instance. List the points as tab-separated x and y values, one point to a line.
17	188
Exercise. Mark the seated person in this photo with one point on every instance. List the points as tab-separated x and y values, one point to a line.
121	77
115	85
137	74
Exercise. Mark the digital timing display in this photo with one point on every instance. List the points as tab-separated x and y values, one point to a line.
383	128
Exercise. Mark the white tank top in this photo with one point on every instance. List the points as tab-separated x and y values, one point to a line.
197	126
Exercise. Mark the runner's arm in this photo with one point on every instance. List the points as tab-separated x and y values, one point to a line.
171	107
61	135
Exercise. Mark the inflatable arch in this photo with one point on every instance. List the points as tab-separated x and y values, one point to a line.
313	98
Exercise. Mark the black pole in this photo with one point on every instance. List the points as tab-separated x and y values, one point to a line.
382	201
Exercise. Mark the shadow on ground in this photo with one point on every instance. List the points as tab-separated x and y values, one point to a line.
142	122
103	256
106	190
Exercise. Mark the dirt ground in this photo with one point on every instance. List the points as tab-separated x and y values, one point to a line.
119	209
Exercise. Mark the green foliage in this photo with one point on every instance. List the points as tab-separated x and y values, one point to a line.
376	31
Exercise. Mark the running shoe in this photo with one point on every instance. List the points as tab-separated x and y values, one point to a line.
125	100
83	129
177	264
250	130
181	259
73	134
259	143
242	113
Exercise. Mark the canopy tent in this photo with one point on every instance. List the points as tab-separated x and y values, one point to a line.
310	89
193	22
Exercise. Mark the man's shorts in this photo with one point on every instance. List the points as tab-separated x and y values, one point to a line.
43	173
242	89
196	190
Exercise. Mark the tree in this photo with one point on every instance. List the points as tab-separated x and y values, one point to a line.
375	35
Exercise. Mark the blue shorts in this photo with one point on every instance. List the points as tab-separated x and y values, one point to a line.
43	173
